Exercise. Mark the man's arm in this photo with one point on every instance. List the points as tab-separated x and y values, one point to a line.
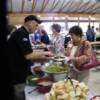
38	55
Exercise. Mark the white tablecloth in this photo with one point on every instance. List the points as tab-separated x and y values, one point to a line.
35	95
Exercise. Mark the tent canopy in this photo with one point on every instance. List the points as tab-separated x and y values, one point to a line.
54	6
18	9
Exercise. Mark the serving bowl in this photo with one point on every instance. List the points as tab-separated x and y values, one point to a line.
37	70
56	71
44	85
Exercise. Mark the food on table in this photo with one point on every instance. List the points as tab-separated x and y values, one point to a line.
38	71
45	81
44	85
32	80
63	90
56	68
59	56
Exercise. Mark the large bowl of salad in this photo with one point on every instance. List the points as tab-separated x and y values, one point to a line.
56	71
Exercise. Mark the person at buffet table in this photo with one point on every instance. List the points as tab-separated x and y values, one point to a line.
57	40
56	43
45	41
37	34
20	55
79	52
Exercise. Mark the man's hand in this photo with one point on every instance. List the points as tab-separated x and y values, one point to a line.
48	54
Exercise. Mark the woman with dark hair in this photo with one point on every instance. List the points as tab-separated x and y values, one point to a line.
57	39
79	51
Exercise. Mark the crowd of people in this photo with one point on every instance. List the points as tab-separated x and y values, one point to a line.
24	40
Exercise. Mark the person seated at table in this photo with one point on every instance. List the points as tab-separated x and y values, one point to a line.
44	37
79	52
35	37
45	41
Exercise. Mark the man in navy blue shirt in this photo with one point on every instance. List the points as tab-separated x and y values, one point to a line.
90	34
44	37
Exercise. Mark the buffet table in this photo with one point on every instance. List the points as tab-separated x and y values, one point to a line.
37	96
34	95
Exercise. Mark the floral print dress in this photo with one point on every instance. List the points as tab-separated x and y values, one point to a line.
57	43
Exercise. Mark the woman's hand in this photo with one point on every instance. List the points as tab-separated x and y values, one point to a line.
74	59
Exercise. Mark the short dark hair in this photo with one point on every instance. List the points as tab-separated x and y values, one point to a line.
76	30
43	31
57	27
32	18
